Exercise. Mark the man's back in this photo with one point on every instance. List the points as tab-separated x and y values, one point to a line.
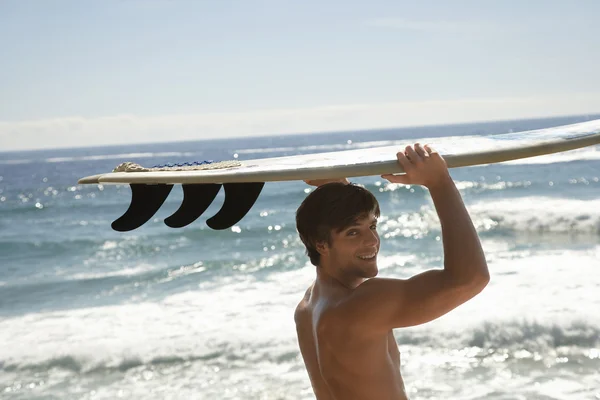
342	363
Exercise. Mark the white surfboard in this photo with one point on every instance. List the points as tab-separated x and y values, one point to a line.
463	151
243	180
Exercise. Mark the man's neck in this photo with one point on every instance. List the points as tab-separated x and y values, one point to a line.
328	276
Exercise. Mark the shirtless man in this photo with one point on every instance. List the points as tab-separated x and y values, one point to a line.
345	321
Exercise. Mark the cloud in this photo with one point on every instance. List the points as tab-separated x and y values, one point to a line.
123	129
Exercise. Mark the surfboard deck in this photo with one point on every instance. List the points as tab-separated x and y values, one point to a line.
244	180
373	161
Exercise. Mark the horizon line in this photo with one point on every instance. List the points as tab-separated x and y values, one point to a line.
322	132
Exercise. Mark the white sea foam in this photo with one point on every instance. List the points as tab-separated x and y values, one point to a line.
243	311
261	150
123	156
109	244
539	215
120	156
15	162
239	334
485	186
128	271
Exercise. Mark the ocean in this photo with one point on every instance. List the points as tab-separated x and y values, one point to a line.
192	313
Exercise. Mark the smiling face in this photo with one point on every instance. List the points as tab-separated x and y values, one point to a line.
352	252
325	218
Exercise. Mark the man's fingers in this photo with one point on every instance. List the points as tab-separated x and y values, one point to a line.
404	161
420	151
412	160
396	178
412	155
430	149
433	153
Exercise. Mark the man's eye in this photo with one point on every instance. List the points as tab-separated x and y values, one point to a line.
373	226
351	233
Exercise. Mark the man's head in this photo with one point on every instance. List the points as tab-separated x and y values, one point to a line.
338	222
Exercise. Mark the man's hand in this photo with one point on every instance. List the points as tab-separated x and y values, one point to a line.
422	166
319	182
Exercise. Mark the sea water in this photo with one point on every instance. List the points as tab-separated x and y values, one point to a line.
192	313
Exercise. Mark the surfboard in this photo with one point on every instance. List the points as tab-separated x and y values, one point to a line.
243	180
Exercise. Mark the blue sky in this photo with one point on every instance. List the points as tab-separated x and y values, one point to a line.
76	73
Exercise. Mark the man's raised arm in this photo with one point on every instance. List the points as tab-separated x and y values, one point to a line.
379	305
464	260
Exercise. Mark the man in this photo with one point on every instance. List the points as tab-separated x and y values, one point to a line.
345	321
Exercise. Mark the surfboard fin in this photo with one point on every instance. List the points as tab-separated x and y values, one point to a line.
196	199
239	198
145	202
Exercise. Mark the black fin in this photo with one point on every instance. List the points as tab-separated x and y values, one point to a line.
145	202
196	199
239	198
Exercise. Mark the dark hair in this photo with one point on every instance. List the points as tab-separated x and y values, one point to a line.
333	206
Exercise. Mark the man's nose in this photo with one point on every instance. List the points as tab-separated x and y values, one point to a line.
372	239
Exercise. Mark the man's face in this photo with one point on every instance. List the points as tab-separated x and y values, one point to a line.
353	251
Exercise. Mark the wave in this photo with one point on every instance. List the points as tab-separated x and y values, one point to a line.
16	162
121	156
535	336
520	339
479	187
530	335
87	365
540	215
124	156
460	185
124	272
263	150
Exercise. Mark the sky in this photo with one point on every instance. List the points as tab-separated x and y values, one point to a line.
85	73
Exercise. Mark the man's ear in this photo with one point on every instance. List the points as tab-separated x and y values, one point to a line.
322	248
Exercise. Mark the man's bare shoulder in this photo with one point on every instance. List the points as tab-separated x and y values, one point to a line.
301	308
367	299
